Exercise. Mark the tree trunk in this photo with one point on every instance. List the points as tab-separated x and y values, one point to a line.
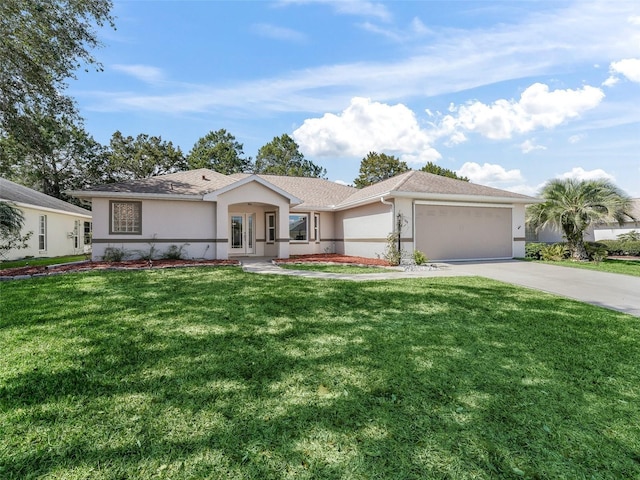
578	250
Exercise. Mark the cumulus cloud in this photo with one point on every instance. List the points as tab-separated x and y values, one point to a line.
144	73
580	173
529	146
489	174
628	68
538	107
366	126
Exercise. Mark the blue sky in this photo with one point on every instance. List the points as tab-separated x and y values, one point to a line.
509	94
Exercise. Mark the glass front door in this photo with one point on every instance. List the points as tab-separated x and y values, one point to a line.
242	233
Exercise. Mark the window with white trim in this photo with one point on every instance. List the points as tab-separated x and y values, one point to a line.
126	217
316	227
270	222
42	233
299	228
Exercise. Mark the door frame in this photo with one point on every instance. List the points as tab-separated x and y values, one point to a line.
247	239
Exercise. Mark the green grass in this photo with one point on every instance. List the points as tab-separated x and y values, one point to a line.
216	373
625	267
41	261
320	267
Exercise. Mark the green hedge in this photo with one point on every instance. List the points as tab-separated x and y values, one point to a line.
622	247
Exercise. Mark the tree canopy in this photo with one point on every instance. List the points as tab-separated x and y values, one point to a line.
282	156
218	151
11	223
141	157
42	44
431	167
571	206
376	167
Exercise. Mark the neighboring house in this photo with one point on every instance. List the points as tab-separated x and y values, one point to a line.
211	215
594	233
59	228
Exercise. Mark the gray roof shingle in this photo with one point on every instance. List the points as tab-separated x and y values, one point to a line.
13	192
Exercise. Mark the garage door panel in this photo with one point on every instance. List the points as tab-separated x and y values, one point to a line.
445	232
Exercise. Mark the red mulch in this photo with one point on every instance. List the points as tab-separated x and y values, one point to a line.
129	264
334	258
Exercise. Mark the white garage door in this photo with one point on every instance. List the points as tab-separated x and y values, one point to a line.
445	232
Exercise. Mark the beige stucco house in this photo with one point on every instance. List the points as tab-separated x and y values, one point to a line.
58	228
211	215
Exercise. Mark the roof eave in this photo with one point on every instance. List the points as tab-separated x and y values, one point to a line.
455	197
146	196
52	210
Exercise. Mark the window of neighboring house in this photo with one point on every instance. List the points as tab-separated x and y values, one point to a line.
316	227
76	234
271	227
88	227
42	233
126	217
299	228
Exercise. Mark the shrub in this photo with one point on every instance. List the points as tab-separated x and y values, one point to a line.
392	253
596	251
632	236
173	252
554	253
419	257
622	247
114	254
533	250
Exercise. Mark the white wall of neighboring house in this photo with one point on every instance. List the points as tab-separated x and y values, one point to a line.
611	233
60	233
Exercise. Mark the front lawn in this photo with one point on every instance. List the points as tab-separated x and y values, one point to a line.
625	267
216	373
41	261
328	268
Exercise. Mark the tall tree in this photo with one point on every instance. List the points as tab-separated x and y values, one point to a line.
141	157
282	156
570	206
42	45
376	167
218	151
63	160
431	167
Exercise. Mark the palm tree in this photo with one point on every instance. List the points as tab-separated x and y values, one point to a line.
11	219
570	206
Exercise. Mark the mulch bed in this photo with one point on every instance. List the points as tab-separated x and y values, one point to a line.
125	265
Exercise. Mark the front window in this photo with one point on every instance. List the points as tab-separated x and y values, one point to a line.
271	227
42	233
316	227
126	217
87	233
299	228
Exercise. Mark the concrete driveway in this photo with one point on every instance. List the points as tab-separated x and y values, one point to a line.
609	290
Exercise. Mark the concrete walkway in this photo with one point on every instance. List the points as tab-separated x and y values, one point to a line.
609	290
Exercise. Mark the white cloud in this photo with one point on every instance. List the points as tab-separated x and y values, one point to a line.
144	73
489	174
580	173
537	108
529	146
363	8
279	33
628	67
366	126
573	139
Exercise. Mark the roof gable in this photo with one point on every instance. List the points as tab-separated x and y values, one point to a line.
17	193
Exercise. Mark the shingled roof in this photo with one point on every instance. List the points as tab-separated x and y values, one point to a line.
19	194
316	193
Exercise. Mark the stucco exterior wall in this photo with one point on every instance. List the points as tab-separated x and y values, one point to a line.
59	238
364	230
190	225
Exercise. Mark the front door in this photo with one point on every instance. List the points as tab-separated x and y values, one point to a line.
242	234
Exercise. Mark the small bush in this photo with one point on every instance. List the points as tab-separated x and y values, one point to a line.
419	257
622	247
597	251
173	252
533	250
392	254
114	254
554	253
632	236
